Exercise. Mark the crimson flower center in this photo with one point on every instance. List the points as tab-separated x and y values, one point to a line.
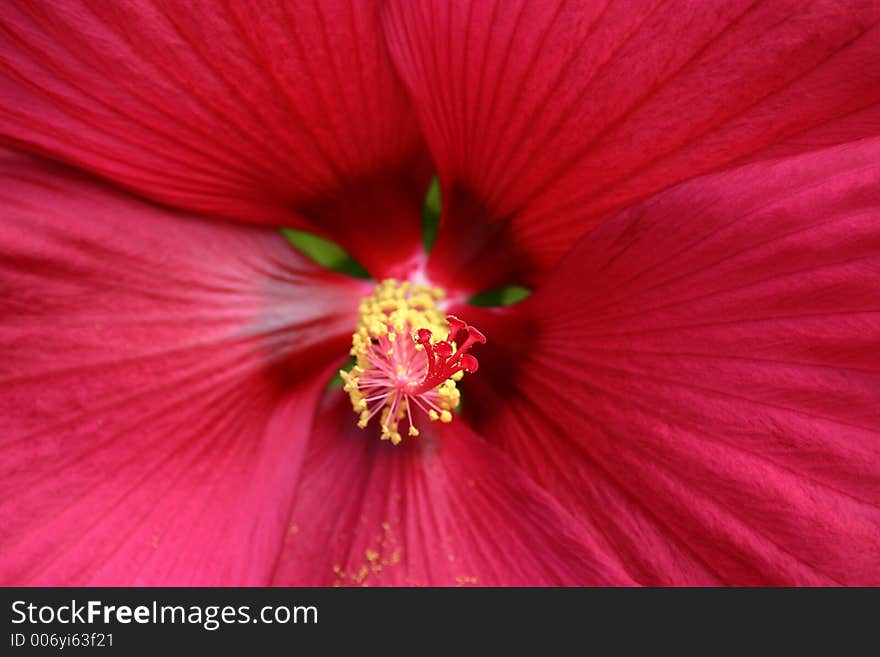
409	358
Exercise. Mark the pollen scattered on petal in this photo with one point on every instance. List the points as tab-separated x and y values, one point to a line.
409	357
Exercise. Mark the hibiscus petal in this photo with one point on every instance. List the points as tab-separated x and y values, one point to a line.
158	378
443	509
544	117
252	111
700	380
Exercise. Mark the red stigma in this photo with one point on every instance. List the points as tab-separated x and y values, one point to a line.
443	360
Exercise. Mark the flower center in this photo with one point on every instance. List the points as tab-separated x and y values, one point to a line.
402	366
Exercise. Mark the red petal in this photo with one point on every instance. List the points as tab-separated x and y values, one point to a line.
263	113
700	379
544	117
158	379
442	509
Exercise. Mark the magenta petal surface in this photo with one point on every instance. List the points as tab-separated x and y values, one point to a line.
443	509
545	117
158	375
263	112
699	381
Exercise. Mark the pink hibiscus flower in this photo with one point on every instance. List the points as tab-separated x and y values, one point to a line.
691	395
